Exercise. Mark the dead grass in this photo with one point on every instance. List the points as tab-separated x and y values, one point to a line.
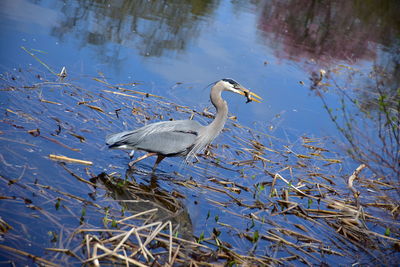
252	199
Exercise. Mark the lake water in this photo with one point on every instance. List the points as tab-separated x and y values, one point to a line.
172	49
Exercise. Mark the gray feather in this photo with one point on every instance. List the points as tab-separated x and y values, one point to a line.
166	138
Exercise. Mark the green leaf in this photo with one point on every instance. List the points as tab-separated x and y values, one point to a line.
256	236
252	223
261	187
274	193
83	213
310	201
387	232
201	238
58	203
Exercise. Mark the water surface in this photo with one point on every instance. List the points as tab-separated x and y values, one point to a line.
173	49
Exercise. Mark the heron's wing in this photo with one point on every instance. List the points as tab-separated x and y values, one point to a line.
167	137
168	143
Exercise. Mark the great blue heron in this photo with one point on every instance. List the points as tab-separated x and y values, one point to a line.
181	137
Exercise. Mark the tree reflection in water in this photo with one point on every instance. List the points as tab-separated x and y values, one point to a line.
151	27
328	31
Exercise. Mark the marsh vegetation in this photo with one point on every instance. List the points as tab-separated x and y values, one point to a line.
308	177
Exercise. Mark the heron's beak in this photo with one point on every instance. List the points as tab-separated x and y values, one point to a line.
249	95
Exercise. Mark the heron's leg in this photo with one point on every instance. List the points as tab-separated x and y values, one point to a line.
141	158
159	159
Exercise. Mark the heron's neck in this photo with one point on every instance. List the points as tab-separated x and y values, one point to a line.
216	126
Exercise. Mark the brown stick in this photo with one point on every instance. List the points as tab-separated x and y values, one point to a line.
36	258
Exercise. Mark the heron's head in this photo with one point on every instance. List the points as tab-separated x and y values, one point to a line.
231	85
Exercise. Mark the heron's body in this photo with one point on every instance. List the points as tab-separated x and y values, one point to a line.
181	137
168	138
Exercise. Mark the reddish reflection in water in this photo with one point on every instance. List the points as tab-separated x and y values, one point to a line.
328	31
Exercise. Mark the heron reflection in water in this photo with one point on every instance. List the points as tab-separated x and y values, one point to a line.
154	203
181	137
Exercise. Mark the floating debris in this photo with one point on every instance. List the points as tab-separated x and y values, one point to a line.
50	102
67	159
35	132
62	74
